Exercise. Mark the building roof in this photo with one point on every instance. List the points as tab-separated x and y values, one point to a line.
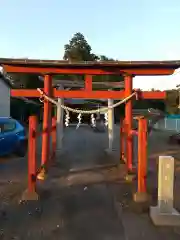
5	80
81	84
90	64
9	84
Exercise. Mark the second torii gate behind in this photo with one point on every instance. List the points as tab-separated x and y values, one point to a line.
128	69
70	85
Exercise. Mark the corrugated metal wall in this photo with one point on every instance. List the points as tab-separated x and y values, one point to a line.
172	124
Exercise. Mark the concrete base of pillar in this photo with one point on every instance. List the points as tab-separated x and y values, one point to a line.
141	197
130	177
141	202
164	219
29	196
121	161
109	151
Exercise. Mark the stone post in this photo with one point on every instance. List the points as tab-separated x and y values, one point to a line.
164	214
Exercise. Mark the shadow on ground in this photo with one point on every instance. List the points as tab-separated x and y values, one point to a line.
95	204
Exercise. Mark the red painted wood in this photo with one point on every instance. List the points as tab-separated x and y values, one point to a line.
134	132
88	82
46	122
142	154
122	140
128	120
90	70
32	154
54	138
87	94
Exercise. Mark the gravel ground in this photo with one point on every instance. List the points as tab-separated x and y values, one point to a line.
80	205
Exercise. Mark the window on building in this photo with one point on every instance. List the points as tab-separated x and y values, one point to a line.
9	126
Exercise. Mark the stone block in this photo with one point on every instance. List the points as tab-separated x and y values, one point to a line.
164	219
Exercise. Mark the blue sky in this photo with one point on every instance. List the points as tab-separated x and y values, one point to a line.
122	29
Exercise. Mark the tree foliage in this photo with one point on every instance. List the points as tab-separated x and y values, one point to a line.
105	58
172	102
78	49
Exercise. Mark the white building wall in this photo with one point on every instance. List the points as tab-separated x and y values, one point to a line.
4	99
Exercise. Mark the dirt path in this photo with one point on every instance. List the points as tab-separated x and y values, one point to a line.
76	211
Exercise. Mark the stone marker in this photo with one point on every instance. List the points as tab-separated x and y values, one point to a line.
164	214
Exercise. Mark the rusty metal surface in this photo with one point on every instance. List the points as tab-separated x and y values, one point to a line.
101	64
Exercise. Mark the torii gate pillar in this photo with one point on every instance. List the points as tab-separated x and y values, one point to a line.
59	122
110	124
46	121
128	79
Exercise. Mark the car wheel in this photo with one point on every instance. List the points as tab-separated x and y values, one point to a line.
21	150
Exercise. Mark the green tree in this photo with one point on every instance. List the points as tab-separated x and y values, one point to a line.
172	101
78	49
104	58
107	78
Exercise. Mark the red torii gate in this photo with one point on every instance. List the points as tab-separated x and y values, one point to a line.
128	69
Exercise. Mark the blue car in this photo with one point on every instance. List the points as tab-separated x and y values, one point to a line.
13	138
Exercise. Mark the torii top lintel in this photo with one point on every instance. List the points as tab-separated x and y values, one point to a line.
136	68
